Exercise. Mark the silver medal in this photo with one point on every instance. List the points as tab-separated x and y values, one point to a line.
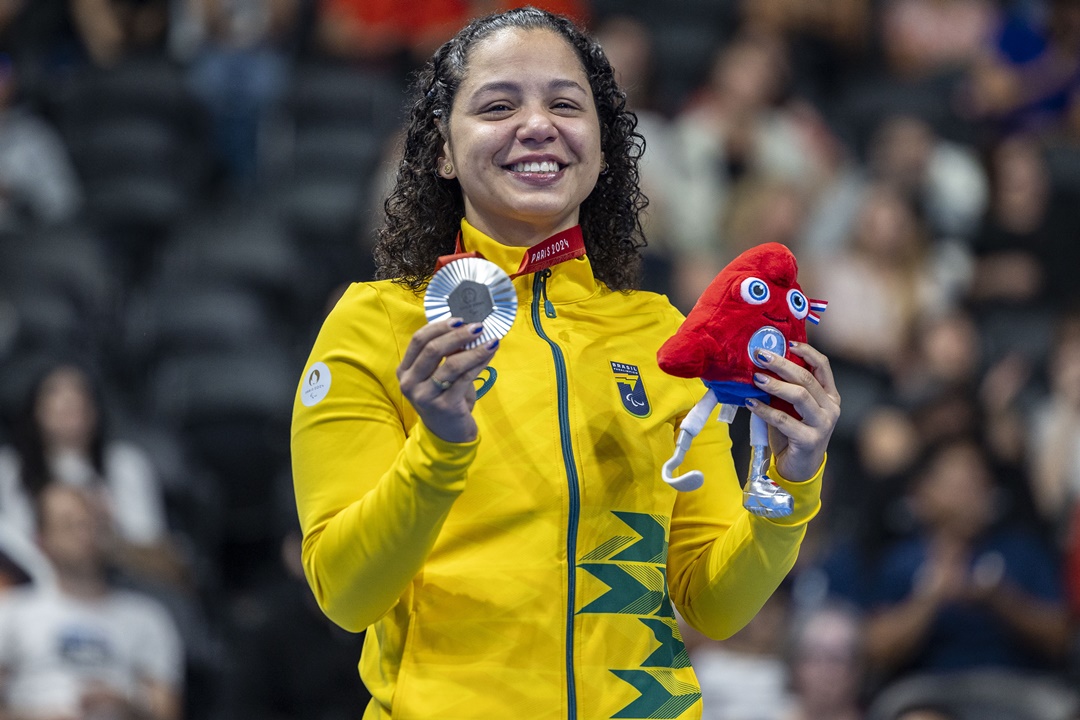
475	290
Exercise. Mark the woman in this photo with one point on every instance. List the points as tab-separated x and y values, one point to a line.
511	547
61	436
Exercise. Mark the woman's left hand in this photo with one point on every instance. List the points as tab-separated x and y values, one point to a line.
798	446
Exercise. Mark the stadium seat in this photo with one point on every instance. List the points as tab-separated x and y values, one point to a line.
980	695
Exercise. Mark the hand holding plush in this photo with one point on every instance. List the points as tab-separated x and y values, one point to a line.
754	304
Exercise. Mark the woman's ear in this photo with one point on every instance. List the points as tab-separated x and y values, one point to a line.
446	168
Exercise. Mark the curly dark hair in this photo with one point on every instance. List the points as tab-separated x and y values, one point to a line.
424	210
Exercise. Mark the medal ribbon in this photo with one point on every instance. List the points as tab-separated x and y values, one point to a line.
558	248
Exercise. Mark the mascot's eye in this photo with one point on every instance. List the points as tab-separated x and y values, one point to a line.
754	291
797	303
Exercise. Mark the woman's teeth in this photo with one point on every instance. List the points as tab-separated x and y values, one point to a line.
535	167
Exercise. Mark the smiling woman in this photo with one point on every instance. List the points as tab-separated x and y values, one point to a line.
423	211
523	138
495	514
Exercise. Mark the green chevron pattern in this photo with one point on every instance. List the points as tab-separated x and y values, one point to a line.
634	568
661	695
652	547
635	589
671	653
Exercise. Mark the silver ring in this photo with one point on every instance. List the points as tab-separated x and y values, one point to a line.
443	385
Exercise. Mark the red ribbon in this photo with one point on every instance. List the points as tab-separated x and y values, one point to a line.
558	248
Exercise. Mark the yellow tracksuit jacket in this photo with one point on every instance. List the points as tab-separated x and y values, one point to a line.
531	573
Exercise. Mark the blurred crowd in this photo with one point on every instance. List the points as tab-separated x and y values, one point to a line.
186	185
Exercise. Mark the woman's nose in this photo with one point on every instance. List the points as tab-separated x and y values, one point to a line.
536	126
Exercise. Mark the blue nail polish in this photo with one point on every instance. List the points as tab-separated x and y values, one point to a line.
493	345
457	323
751	402
765	356
478	329
760	379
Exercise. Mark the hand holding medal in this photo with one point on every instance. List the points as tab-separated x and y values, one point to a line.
470	304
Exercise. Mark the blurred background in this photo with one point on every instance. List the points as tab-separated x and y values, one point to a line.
186	186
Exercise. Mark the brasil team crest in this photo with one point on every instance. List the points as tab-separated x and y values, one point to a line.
631	389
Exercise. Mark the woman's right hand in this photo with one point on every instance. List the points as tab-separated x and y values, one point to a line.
436	376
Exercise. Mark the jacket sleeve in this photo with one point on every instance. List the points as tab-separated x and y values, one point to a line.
372	492
723	562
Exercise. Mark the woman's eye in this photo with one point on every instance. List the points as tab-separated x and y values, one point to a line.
798	304
754	291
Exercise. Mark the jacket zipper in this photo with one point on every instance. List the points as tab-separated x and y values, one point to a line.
540	291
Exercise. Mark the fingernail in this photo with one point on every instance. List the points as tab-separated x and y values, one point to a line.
760	379
792	343
477	328
458	322
765	356
751	402
493	345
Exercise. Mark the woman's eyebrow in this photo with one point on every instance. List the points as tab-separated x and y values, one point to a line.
567	85
508	86
498	86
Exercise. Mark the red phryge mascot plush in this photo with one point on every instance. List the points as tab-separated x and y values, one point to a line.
755	303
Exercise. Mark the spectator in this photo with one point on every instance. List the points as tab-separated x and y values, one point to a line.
833	202
955	386
827	664
865	508
114	30
943	180
239	69
944	355
1026	76
743	677
1026	251
38	185
879	286
931	37
964	591
61	436
82	649
737	126
764	211
1055	435
56	38
828	41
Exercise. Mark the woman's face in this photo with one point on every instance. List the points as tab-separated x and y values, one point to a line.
956	496
524	136
884	226
65	409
